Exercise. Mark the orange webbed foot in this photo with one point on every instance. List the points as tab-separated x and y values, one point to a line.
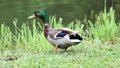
56	49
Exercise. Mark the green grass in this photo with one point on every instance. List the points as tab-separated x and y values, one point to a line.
105	27
85	55
26	48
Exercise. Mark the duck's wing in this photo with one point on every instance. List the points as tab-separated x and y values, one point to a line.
62	32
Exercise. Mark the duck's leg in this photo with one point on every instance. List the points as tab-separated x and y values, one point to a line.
65	49
56	48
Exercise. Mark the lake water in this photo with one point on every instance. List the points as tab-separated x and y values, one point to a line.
69	10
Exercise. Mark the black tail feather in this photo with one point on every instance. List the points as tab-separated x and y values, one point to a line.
76	36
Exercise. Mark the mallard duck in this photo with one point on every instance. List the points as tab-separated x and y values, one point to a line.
59	37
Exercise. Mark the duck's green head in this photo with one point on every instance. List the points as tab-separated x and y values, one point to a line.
40	14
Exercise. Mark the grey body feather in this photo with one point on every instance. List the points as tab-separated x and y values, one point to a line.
62	42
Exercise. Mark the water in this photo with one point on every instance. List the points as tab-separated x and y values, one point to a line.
69	10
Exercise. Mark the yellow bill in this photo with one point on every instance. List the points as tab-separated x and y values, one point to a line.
32	16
